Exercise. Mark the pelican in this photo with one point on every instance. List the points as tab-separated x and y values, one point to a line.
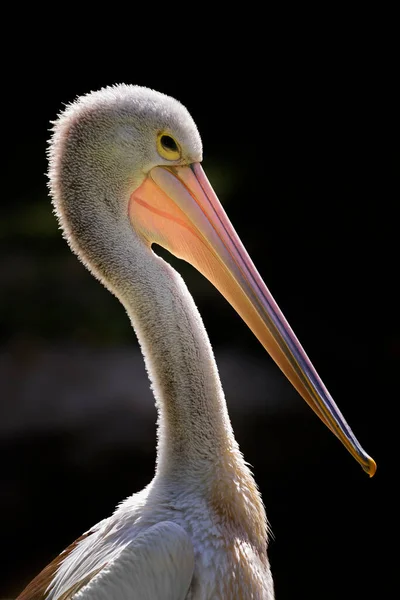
125	173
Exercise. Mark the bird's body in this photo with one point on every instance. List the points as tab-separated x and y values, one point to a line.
124	173
220	546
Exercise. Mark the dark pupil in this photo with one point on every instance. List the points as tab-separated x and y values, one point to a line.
169	143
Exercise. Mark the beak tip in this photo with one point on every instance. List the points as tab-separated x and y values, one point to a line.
370	468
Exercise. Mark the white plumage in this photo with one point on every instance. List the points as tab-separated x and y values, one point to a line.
157	564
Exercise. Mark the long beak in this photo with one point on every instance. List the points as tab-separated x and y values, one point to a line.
177	208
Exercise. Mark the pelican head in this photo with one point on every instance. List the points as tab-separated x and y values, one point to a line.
125	173
104	146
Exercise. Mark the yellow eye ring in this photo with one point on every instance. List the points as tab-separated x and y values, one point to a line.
167	147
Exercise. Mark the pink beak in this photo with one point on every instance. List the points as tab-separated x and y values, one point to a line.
177	208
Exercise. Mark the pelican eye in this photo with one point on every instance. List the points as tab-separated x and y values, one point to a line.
167	147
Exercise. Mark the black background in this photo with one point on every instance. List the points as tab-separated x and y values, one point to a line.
299	126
